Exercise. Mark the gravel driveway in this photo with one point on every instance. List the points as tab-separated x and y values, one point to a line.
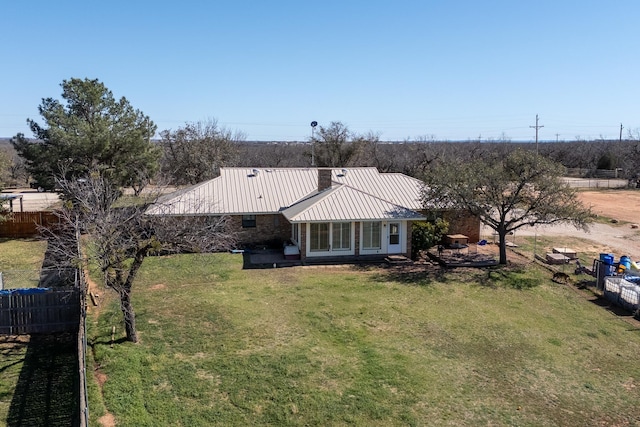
622	239
32	200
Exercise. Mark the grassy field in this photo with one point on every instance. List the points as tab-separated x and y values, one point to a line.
38	380
20	261
348	346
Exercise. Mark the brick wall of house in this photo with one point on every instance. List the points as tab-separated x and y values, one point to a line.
271	229
409	235
459	223
324	179
303	241
463	223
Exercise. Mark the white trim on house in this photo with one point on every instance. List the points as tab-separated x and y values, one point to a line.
295	234
399	230
330	251
371	234
385	247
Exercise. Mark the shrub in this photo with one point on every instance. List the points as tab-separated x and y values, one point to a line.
425	234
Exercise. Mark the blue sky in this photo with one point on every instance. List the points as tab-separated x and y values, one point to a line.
456	70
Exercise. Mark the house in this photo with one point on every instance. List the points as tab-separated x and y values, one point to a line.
318	212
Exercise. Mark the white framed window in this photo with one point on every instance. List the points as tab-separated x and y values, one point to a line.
295	234
341	236
394	233
371	235
319	237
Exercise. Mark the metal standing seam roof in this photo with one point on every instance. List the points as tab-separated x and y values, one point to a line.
258	191
242	191
345	203
397	188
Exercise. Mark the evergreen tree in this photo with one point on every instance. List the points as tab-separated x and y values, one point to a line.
89	130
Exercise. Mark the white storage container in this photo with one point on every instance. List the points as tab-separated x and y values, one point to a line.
629	296
612	288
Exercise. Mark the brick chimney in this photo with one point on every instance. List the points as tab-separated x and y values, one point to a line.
324	179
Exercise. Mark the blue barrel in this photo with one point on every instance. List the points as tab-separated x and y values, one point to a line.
607	260
626	261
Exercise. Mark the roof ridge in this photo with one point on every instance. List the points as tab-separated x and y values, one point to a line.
314	193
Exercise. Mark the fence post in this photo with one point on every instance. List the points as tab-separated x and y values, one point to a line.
80	279
11	326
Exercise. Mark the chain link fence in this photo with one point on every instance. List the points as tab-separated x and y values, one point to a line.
596	182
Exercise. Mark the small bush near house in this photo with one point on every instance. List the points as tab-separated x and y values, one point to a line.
426	234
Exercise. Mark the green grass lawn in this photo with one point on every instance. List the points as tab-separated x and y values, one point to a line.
20	261
38	380
361	346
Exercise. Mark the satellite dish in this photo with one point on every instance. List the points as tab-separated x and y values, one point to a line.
314	124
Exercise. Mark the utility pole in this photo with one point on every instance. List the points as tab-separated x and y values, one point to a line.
313	143
621	132
536	127
557	137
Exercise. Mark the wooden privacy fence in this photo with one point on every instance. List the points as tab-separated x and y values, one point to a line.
37	310
25	224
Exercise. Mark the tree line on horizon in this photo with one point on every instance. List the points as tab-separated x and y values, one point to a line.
190	161
114	135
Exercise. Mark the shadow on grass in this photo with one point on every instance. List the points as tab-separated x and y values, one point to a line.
506	277
47	389
412	276
492	277
618	311
12	351
107	341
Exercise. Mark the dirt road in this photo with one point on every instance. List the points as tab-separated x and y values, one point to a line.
32	200
620	238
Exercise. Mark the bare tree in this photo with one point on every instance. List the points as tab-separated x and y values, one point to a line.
333	147
366	151
273	155
5	167
381	155
413	158
121	235
197	151
17	171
